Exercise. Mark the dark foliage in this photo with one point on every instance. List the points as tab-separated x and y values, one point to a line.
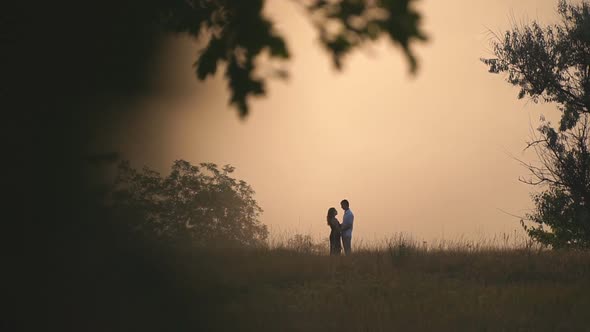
108	46
550	63
238	33
561	218
201	204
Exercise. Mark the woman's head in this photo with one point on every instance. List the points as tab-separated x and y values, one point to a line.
332	212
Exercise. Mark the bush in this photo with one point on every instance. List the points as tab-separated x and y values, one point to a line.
203	204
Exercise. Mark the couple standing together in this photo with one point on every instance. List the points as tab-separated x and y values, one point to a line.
340	231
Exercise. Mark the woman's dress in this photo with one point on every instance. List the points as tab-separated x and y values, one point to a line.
335	236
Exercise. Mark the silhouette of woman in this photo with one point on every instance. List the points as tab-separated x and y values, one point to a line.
335	243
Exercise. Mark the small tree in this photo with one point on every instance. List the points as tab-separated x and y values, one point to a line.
200	203
552	64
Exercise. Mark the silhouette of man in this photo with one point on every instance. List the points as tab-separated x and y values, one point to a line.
346	228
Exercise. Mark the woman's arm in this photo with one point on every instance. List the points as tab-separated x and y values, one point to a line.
335	223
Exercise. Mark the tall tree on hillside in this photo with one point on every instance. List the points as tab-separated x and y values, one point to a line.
552	64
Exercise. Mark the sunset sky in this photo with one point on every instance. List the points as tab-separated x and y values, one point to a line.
428	154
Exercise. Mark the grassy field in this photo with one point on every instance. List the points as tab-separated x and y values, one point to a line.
398	286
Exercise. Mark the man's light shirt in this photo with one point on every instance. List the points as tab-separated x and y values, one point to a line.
347	219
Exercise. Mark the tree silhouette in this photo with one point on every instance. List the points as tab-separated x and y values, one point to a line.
238	32
561	217
552	64
108	47
203	204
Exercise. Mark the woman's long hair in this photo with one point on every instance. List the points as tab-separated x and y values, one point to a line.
331	214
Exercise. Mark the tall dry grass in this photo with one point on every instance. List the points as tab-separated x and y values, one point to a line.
397	285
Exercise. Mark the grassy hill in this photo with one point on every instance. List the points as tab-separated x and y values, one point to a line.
398	287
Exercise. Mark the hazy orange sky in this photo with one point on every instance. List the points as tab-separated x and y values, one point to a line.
426	155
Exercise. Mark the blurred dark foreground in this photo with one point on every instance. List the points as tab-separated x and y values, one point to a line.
66	265
179	287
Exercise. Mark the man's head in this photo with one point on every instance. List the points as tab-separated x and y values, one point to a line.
344	204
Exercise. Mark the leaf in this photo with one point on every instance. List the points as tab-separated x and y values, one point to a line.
278	48
207	63
569	119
